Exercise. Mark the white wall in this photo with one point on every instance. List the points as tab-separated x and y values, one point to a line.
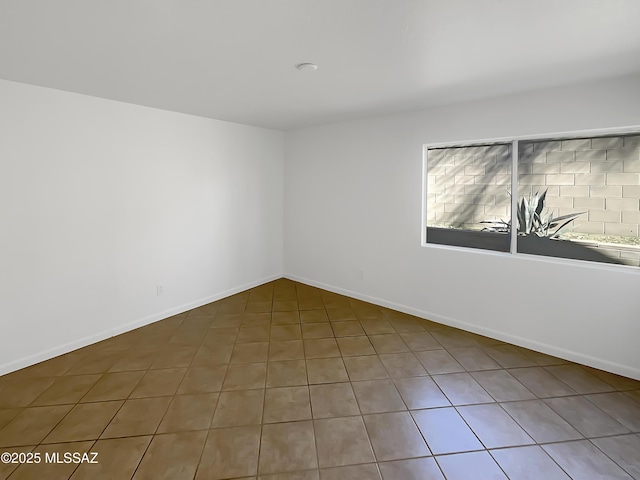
353	225
101	201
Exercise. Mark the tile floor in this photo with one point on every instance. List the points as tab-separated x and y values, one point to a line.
289	382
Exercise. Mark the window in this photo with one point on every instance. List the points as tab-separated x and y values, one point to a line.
571	197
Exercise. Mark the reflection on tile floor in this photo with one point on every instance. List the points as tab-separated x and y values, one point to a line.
289	382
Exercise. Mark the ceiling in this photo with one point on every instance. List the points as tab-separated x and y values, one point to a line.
234	59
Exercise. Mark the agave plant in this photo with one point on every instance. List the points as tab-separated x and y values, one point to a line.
533	220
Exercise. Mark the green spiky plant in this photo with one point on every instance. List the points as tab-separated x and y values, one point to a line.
532	220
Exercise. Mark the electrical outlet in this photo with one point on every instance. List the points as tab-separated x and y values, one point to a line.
159	290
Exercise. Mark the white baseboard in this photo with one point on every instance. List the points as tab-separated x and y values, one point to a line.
578	357
126	327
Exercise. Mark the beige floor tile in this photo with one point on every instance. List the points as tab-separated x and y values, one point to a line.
203	379
53	367
255	319
243	376
6	415
368	367
421	392
66	390
259	307
20	392
310	303
509	356
377	327
189	412
342	441
176	357
326	370
140	416
285	306
31	425
619	406
208	309
286	350
418	341
197	322
287	373
333	400
187	338
287	447
445	431
93	364
540	422
401	365
407	326
172	456
227	319
462	389
317	330
287	404
347	328
308	367
356	472
335	301
209	355
285	318
341	314
303	475
412	469
623	450
579	379
395	436
254	334
388	343
583	461
453	338
502	386
117	458
314	316
229	309
286	332
585	417
541	382
113	386
230	453
634	395
366	311
528	463
85	421
239	408
438	362
458	466
221	336
250	352
51	470
493	426
353	346
378	396
321	348
473	359
156	383
616	381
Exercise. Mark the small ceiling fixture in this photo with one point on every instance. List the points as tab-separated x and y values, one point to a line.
310	67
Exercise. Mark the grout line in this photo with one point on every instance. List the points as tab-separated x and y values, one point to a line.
386	316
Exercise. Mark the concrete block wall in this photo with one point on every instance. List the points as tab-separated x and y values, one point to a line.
599	176
468	185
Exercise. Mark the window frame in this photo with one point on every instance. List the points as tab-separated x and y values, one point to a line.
514	140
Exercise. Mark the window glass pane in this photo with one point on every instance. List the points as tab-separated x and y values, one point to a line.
468	201
580	198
